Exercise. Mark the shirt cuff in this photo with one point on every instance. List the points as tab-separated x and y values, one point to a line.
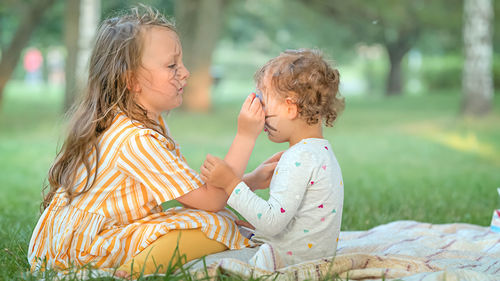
237	194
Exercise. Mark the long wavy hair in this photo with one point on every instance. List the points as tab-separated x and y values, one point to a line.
114	60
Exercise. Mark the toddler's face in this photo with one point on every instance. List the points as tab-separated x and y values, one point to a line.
278	126
162	75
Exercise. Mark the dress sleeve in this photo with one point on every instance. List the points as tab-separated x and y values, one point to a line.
164	172
291	179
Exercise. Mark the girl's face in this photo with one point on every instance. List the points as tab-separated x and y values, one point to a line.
279	123
162	76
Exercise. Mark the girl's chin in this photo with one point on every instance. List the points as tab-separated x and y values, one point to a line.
179	100
176	105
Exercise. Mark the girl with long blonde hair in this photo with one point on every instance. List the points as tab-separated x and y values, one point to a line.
119	163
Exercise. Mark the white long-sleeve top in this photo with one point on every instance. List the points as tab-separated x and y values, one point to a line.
302	217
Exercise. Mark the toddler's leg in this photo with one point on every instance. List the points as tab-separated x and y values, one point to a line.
267	258
193	243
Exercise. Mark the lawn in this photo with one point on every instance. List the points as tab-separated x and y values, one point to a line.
403	158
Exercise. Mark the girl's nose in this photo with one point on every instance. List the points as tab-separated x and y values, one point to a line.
183	73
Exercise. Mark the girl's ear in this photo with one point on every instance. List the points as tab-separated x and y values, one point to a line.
131	82
292	110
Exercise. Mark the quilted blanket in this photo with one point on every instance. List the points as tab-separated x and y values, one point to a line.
401	250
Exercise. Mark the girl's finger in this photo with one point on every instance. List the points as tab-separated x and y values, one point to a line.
211	159
258	108
261	113
248	101
204	171
217	161
255	105
203	178
208	165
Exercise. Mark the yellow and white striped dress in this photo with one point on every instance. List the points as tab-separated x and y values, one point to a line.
121	214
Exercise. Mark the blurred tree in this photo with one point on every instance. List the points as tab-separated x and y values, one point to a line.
50	30
496	27
110	8
199	23
477	81
71	30
10	54
396	24
81	20
272	26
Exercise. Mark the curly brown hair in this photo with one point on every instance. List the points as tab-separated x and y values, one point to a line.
306	77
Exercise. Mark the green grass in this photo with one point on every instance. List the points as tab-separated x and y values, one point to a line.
405	158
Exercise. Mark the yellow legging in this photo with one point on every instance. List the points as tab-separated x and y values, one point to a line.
155	258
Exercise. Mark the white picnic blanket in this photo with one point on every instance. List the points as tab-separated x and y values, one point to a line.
401	250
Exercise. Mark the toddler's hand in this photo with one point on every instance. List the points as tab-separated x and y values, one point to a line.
260	178
217	173
244	223
251	118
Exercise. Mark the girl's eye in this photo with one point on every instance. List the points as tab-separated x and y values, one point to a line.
172	66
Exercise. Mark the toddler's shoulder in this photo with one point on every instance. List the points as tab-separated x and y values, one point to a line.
305	150
314	147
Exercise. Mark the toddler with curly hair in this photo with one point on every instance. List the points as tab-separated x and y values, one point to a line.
301	219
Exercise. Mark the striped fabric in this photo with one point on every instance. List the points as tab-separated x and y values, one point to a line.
121	214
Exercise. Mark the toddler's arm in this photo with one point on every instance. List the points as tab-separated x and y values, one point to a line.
272	216
217	197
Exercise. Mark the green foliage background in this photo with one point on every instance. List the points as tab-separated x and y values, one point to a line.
404	158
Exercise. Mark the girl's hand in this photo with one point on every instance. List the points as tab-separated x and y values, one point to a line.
215	172
251	118
260	178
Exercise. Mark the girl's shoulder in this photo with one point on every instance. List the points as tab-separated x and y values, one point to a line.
132	130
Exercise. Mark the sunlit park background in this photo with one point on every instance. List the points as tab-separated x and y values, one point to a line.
419	138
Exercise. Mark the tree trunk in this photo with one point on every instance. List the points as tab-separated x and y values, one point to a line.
477	82
13	52
198	23
396	52
82	18
71	23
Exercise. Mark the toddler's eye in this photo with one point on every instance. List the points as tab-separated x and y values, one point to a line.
172	66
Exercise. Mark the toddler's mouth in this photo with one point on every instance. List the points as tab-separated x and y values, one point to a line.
268	128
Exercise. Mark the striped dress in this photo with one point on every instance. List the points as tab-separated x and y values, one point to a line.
121	214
